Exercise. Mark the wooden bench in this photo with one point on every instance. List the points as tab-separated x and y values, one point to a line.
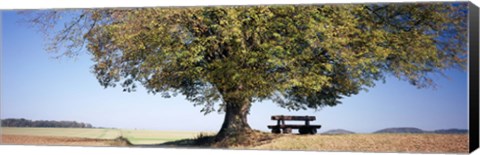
302	129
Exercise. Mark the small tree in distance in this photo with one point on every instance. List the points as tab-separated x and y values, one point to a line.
298	56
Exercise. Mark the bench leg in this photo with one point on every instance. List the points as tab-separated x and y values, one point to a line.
307	130
303	130
287	130
276	130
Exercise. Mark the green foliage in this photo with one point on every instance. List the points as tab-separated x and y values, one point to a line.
299	56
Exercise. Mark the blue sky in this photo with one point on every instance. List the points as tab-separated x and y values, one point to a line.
36	86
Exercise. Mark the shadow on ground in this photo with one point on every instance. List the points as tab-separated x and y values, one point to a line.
205	142
254	138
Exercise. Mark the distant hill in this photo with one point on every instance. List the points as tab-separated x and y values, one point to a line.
400	130
417	130
337	132
451	131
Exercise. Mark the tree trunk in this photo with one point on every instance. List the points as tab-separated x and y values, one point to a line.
235	122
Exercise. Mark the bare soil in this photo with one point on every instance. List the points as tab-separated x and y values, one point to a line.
65	141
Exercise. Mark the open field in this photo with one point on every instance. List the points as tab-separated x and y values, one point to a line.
52	140
413	143
156	137
136	137
64	132
416	143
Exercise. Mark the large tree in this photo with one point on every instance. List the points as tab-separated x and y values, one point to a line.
228	57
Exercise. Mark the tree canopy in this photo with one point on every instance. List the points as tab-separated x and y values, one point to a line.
299	56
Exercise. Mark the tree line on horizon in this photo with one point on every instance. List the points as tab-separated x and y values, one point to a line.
21	122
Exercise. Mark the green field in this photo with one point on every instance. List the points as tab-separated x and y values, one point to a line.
156	137
137	137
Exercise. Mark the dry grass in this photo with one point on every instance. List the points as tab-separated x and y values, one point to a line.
413	143
63	132
67	141
249	139
207	140
150	137
137	137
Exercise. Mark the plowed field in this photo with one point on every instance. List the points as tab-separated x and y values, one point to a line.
51	140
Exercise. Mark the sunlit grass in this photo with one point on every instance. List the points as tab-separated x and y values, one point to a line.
453	143
134	136
156	137
421	143
63	132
